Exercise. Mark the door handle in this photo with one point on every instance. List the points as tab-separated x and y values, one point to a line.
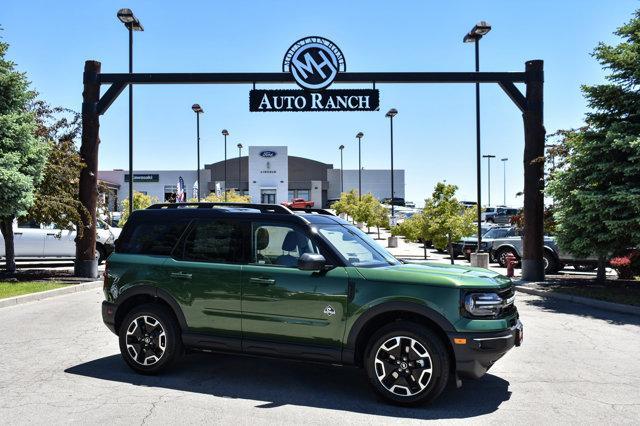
181	275
17	233
51	233
262	281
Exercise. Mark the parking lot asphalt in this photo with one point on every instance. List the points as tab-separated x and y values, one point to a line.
61	365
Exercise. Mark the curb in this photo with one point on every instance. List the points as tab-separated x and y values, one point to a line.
73	288
600	304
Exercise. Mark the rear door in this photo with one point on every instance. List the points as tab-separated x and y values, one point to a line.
285	310
206	274
28	239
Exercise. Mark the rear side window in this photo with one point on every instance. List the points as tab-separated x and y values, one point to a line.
214	241
153	237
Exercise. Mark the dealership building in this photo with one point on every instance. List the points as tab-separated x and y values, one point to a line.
268	174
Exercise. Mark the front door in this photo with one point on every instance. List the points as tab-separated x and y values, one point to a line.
282	306
59	242
268	196
205	273
28	239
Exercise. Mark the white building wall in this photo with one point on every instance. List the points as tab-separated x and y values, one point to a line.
155	189
377	182
267	171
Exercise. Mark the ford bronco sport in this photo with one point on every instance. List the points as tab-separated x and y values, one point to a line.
262	279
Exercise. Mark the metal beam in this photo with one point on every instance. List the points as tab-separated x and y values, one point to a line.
345	77
109	96
514	94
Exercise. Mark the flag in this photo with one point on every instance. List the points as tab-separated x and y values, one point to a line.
180	191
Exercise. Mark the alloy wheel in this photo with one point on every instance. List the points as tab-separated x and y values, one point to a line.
146	340
403	366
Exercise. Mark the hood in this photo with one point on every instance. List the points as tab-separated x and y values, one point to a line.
438	274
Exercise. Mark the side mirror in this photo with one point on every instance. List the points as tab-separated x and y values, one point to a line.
311	262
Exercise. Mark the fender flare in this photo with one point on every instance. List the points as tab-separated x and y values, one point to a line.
349	350
156	293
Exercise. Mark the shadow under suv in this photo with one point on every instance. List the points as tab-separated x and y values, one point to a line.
264	280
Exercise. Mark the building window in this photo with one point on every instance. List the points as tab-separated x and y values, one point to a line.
299	193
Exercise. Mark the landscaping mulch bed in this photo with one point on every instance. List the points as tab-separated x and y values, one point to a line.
617	291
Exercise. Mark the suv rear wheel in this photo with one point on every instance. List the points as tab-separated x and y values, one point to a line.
551	264
149	339
501	256
407	364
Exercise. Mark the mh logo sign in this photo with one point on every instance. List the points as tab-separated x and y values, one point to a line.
314	62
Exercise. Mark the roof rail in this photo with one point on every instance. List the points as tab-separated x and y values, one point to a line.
263	208
311	210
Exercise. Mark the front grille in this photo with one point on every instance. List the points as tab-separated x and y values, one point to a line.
508	294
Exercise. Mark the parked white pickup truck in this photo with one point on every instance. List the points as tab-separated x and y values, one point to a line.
32	240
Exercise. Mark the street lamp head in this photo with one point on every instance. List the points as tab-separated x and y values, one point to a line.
391	113
504	159
225	132
341	147
488	156
127	17
476	33
360	135
197	108
239	146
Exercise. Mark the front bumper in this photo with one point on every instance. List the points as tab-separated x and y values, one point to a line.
475	353
109	315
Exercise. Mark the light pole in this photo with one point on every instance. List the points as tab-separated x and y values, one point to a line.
390	114
132	24
341	147
239	169
474	36
489	157
225	133
359	136
198	110
504	181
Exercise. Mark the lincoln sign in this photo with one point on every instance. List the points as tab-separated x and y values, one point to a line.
314	62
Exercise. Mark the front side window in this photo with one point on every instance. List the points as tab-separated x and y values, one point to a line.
280	245
214	241
356	247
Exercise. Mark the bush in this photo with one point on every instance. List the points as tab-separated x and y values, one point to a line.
627	266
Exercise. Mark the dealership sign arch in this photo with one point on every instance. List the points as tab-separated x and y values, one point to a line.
315	63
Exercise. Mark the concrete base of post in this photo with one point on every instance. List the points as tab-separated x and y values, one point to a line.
480	260
532	270
360	225
86	268
392	242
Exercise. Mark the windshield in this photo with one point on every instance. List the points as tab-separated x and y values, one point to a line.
357	248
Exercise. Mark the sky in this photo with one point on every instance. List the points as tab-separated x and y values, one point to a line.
434	131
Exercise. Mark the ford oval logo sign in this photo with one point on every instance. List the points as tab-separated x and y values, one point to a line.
267	154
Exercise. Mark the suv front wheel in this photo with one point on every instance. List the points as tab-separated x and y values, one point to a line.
149	339
407	364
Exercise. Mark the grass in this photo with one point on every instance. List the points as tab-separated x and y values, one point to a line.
12	289
620	291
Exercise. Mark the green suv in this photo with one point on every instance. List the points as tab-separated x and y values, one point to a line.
265	280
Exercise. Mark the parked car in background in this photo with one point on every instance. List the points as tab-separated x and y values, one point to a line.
410	204
554	258
331	202
396	201
488	212
490	233
502	215
32	240
298	203
460	247
115	231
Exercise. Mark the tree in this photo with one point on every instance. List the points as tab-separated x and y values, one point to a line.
380	217
347	203
365	210
232	197
445	221
413	229
22	152
596	184
140	201
56	197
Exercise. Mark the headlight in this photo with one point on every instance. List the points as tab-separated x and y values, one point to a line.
484	246
483	304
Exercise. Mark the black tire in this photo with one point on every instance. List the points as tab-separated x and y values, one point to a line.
428	385
102	253
501	255
172	339
551	264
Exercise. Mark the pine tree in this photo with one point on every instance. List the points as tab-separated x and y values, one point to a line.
22	152
596	187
